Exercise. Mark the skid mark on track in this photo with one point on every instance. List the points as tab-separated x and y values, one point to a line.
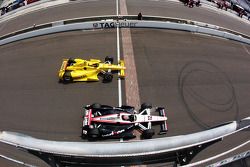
245	48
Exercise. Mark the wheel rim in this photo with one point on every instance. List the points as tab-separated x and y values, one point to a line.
67	78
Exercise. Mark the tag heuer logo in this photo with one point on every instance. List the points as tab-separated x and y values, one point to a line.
95	25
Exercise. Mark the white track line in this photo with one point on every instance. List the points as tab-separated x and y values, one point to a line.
16	161
117	7
118	56
217	156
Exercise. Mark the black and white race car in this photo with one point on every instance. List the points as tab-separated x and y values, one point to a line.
102	121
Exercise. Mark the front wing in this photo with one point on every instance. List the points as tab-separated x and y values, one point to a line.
164	126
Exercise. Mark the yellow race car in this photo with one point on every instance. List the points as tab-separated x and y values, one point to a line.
88	70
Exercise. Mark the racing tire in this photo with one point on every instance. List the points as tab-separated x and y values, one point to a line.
148	134
84	129
109	59
21	4
93	133
96	106
129	109
145	105
108	77
71	62
197	4
67	77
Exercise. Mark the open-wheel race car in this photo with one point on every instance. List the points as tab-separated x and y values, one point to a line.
191	3
103	121
73	70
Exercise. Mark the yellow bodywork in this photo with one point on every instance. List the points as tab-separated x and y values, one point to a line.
88	70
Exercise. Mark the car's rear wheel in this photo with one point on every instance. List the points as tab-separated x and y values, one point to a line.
67	77
109	59
145	105
71	62
148	134
128	108
93	133
108	77
96	106
84	131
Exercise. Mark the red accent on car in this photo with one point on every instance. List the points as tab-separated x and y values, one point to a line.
31	1
90	117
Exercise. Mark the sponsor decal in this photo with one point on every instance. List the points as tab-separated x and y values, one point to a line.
84	132
95	25
114	25
108	118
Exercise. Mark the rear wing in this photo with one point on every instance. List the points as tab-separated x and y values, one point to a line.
164	125
63	67
87	117
64	64
122	71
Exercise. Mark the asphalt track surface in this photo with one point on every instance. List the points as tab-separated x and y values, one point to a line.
202	80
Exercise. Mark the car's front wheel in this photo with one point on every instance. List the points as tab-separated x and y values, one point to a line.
84	131
93	133
96	106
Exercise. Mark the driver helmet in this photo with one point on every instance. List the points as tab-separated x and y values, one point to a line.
125	117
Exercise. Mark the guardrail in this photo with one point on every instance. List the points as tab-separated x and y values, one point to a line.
121	149
128	21
124	153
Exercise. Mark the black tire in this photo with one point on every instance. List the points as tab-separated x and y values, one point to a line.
128	108
109	59
93	133
106	107
21	4
71	62
145	105
96	106
84	129
148	134
67	77
108	77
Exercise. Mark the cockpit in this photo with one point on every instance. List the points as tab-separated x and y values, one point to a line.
130	118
